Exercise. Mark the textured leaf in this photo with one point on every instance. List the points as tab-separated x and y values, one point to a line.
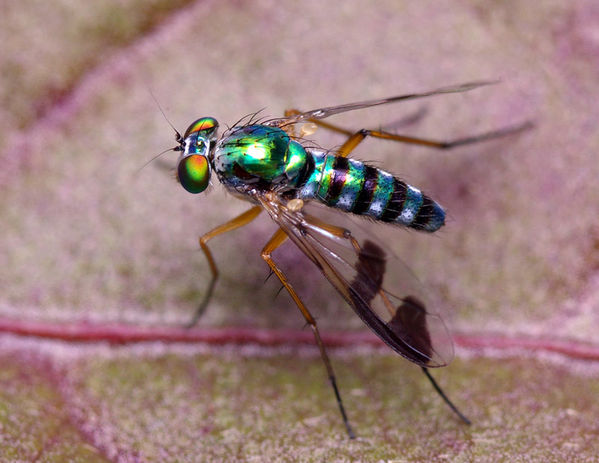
88	236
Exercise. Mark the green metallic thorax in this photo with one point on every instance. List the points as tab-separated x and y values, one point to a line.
259	156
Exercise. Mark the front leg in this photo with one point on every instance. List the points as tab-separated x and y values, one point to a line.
231	225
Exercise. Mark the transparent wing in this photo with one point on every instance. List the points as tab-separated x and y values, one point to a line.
378	286
322	113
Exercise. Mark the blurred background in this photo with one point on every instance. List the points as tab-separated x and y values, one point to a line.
87	234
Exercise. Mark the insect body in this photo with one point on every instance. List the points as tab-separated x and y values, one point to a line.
268	165
262	158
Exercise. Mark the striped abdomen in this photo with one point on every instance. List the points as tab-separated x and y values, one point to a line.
356	187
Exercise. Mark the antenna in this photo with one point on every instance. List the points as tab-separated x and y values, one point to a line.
179	137
156	157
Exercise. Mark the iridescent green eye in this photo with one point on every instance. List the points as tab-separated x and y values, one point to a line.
204	126
193	173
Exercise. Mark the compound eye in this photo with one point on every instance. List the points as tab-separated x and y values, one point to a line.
193	173
204	127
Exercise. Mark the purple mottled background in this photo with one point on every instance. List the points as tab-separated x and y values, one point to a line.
87	235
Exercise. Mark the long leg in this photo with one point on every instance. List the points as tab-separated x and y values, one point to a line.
444	397
233	224
275	241
355	138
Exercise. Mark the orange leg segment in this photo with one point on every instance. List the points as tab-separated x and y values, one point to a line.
231	225
275	241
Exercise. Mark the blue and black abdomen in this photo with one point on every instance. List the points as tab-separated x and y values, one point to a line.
355	187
